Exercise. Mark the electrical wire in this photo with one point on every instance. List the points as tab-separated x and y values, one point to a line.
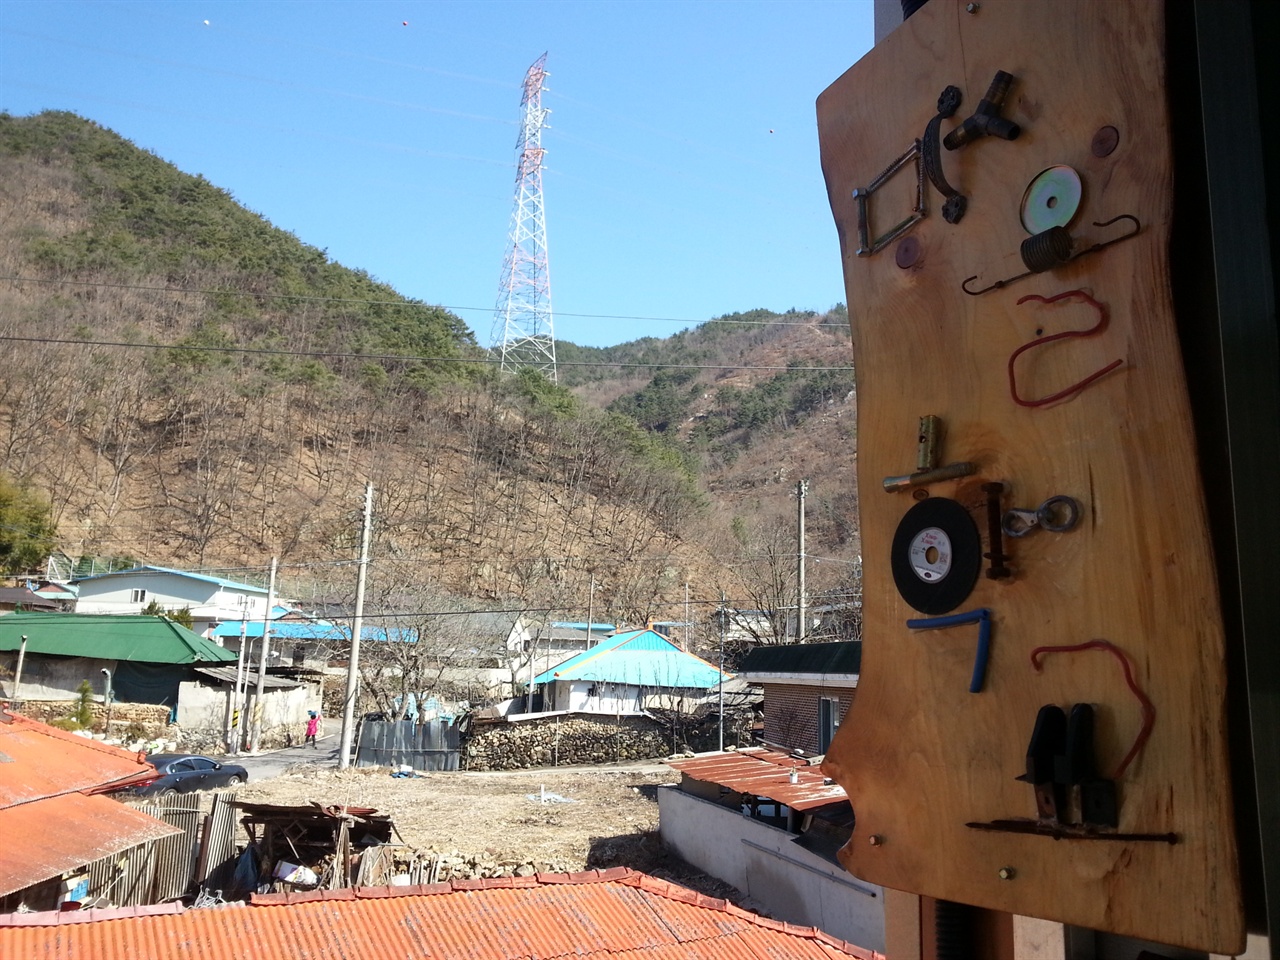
405	304
396	358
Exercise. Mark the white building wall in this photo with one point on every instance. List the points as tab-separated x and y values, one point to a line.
210	604
787	882
610	698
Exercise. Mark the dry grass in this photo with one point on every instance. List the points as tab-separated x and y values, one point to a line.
610	817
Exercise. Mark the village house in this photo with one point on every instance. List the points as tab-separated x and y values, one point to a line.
621	674
63	840
145	660
808	689
211	600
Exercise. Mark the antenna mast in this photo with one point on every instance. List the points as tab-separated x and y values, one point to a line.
522	327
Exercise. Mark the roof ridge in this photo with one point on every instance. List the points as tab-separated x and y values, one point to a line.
611	875
674	891
58	918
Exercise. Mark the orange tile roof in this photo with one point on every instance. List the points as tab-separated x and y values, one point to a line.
618	913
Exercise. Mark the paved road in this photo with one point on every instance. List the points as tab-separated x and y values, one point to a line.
272	763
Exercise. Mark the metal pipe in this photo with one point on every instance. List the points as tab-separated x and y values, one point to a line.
17	673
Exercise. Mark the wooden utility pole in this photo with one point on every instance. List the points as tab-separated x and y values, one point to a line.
353	664
262	660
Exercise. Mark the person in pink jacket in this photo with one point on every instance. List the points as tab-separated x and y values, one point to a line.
313	728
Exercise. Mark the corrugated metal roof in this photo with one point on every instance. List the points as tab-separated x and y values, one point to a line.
109	637
761	772
228	675
46	838
843	657
48	822
285	630
615	913
638	657
48	762
229	584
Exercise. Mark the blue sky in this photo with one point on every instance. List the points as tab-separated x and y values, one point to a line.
682	177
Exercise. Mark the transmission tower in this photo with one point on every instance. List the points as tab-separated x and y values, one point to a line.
522	327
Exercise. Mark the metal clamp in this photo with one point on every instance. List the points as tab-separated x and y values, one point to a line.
1057	515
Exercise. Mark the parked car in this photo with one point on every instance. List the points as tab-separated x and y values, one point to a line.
187	772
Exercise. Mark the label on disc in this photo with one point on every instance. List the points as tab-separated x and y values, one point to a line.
1051	199
936	556
930	554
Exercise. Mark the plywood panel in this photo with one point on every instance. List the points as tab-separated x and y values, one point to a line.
919	755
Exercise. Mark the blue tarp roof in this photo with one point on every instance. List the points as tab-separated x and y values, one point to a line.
642	658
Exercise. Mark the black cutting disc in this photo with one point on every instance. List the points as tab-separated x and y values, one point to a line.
936	556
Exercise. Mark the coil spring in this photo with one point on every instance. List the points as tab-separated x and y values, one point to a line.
1046	250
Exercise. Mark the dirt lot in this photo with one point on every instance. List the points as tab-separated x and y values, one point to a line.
593	818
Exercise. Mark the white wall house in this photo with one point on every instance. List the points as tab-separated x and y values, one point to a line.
211	600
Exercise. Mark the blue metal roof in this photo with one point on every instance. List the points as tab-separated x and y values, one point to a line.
642	658
147	568
285	630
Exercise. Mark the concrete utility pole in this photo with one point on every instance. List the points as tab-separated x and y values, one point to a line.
262	661
357	624
591	612
233	737
802	488
724	619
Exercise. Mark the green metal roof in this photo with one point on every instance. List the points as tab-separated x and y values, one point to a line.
105	637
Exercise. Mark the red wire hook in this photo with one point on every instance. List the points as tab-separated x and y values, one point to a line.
1042	341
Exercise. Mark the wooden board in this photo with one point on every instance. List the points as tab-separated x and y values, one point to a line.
919	755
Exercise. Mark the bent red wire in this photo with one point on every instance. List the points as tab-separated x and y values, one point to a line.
1148	708
1042	341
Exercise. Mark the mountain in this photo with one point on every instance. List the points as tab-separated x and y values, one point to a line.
187	384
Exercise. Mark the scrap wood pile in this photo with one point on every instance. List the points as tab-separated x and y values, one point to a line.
312	846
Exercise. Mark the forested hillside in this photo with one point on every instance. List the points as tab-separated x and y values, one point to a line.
187	384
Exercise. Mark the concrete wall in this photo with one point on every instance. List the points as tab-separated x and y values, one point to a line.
53	678
202	708
791	713
786	881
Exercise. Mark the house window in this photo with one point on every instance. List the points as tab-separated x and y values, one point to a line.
828	720
138	596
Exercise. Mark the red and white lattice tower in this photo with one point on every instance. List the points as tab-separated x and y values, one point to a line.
522	327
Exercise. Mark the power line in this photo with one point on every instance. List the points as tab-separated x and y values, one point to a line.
303	298
393	357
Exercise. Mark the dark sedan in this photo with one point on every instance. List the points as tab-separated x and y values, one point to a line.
186	772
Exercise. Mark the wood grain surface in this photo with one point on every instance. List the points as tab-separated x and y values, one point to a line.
919	755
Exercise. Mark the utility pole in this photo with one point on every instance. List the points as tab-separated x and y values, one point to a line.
17	673
262	661
802	616
591	612
724	618
353	664
233	706
687	625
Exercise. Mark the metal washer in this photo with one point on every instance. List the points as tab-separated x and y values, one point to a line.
1051	199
